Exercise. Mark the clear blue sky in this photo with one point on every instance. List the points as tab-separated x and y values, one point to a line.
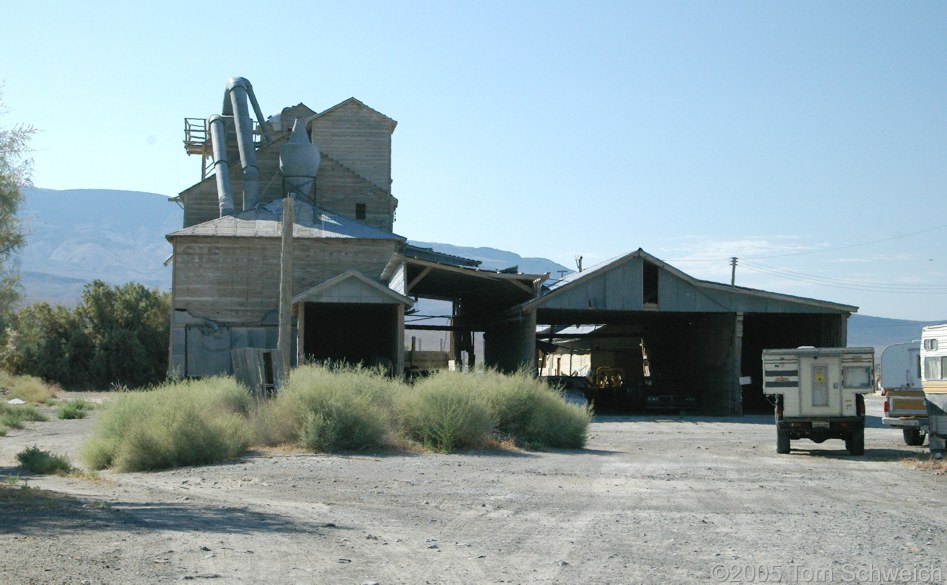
809	139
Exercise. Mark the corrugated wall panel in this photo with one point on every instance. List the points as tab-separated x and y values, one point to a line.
623	287
617	289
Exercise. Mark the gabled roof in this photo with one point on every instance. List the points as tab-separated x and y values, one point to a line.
577	279
391	123
264	222
352	287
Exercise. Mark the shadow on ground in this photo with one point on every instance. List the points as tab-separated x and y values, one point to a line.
33	511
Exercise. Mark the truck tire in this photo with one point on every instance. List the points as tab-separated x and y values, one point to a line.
913	437
856	443
782	441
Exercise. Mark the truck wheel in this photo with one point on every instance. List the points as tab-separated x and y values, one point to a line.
856	444
782	441
913	437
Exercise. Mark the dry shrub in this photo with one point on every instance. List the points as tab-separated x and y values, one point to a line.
28	388
72	409
35	460
13	416
533	414
445	412
335	408
179	424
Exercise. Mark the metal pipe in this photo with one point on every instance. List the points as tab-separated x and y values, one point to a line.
218	139
237	90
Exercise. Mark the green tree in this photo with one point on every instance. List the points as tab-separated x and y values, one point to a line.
128	327
116	335
15	171
47	342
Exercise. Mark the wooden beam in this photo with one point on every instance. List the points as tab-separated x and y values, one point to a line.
418	279
520	284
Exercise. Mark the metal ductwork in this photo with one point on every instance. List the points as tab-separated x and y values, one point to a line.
217	129
238	92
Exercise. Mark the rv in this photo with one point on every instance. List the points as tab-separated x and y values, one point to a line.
934	384
904	406
818	392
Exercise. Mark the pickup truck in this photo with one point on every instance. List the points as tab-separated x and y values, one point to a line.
904	405
818	394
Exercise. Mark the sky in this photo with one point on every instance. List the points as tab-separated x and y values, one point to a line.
807	139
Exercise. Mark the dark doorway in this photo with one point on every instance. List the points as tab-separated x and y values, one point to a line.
353	333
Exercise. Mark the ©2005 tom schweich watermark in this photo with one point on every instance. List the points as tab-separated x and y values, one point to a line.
844	573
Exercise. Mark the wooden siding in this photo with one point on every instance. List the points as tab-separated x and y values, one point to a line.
355	143
359	138
236	280
398	282
620	288
617	289
352	291
337	189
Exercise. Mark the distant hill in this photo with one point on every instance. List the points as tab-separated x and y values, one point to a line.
78	235
880	332
493	259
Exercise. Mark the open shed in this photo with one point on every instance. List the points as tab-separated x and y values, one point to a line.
689	336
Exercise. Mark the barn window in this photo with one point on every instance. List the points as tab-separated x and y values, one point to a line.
359	211
650	283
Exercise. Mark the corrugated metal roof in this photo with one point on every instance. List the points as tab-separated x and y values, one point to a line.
264	222
432	255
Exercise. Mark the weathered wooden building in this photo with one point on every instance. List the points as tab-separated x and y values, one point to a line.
702	337
353	278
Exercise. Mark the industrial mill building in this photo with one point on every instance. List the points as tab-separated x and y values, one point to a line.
354	279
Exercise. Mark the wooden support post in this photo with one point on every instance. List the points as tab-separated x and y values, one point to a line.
300	334
284	344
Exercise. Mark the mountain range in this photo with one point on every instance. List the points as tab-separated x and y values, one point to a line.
75	236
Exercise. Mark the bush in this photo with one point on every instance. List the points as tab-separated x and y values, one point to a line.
329	409
556	424
28	388
445	412
534	415
35	460
74	409
179	424
13	416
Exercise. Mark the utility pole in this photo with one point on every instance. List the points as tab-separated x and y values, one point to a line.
733	270
284	340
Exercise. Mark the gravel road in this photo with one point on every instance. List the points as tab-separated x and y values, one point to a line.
650	500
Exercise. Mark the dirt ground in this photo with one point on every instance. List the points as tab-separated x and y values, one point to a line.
650	500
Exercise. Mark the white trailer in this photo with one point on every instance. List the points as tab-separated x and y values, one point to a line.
904	406
934	384
819	393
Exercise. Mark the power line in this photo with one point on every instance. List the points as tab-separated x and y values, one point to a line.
898	237
818	251
863	285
